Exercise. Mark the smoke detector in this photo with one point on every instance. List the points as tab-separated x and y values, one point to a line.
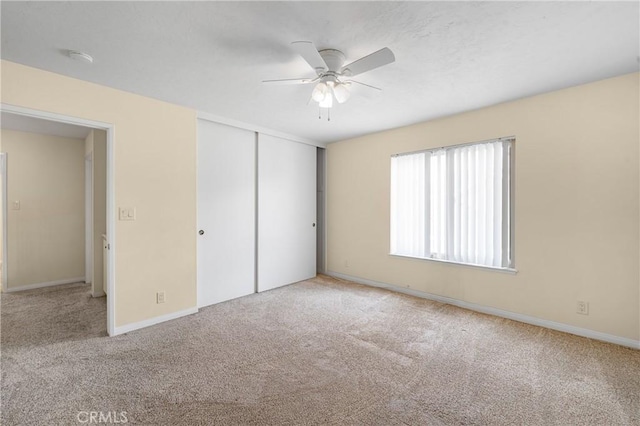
80	56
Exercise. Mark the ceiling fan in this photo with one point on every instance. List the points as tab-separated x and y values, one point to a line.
333	78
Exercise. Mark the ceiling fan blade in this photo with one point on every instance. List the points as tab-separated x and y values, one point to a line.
309	53
376	59
363	84
291	81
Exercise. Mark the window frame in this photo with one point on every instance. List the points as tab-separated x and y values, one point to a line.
509	181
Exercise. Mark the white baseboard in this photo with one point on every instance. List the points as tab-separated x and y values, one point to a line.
153	321
98	293
45	284
584	332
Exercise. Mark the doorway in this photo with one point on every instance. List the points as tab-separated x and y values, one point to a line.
61	258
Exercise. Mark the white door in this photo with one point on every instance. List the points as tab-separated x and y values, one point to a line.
286	212
226	212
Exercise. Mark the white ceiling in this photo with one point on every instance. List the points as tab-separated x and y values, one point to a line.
45	127
212	56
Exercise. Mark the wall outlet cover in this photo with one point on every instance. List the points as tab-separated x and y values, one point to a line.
582	307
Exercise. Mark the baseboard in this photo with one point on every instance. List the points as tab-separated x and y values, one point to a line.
153	321
98	293
584	332
45	284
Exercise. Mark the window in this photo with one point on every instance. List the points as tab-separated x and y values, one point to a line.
455	204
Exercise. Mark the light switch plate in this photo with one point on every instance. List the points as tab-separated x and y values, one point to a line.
127	213
16	205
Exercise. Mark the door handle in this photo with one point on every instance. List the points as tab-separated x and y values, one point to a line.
201	232
313	224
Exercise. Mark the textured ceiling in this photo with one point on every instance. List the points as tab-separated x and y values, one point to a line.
211	56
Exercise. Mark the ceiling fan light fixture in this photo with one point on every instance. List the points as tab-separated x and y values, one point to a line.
342	92
320	92
327	102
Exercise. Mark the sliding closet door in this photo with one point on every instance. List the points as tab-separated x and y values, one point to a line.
226	212
286	212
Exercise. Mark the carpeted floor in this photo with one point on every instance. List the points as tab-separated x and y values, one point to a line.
322	351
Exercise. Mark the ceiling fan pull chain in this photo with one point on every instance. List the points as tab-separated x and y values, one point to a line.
319	113
328	114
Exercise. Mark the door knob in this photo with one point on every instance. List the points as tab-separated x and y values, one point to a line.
201	232
314	225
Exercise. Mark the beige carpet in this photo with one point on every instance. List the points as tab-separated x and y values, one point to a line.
322	351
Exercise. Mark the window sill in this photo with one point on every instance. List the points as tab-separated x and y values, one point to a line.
512	271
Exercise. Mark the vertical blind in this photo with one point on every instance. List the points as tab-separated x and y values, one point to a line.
454	204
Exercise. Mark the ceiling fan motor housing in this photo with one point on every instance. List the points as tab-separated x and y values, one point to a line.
333	58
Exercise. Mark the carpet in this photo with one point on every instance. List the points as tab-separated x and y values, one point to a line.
322	351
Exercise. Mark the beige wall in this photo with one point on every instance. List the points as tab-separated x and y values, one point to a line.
96	145
155	172
46	235
576	207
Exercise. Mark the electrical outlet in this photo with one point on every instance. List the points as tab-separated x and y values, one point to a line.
582	307
160	297
346	263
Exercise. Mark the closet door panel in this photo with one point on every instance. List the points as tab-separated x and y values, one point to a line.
226	212
286	212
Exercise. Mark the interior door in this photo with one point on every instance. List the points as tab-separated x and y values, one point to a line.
226	212
286	212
